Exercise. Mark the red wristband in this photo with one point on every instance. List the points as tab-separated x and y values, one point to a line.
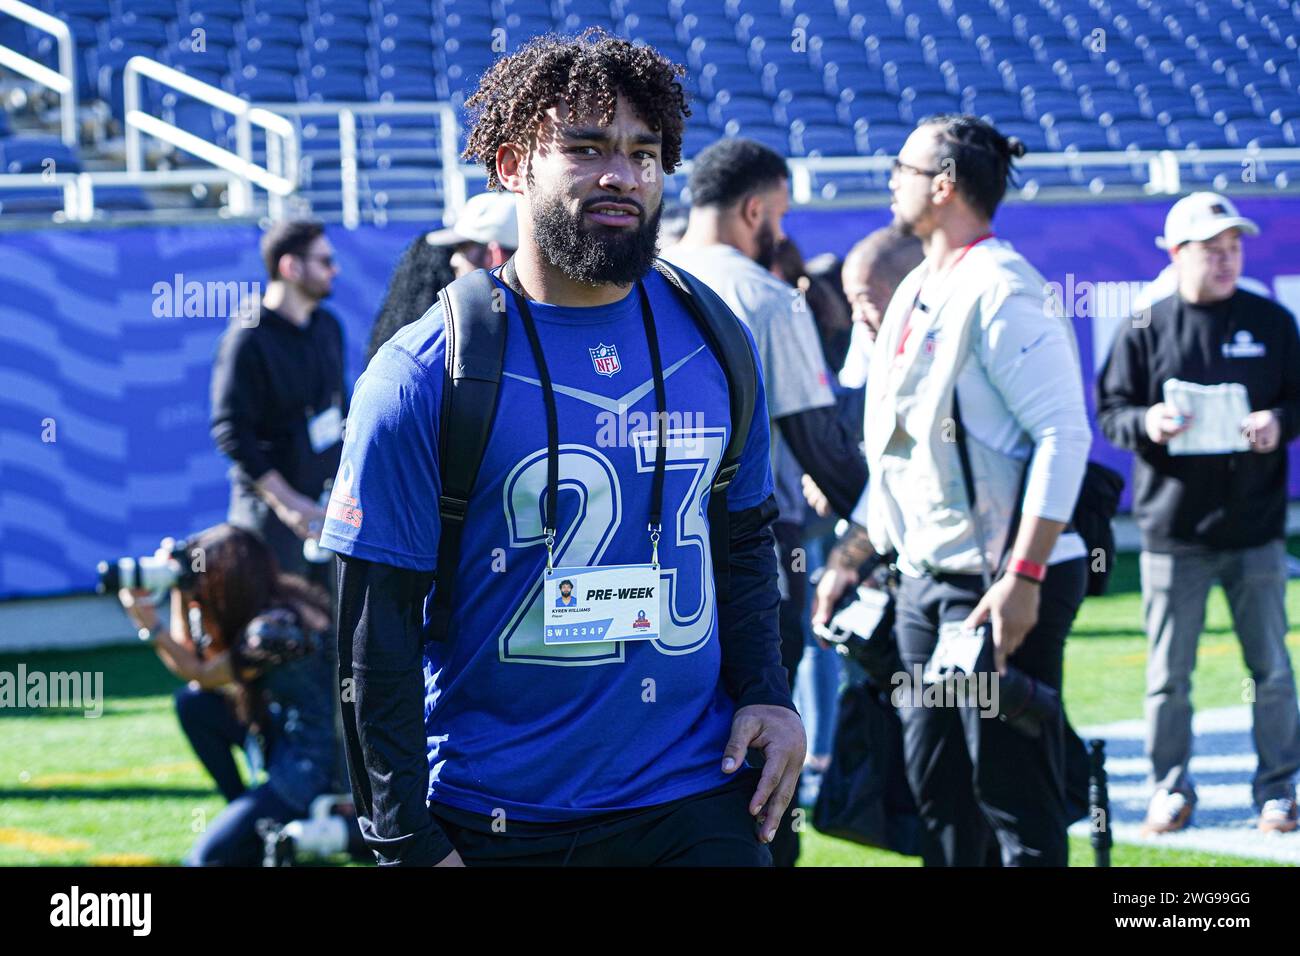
1027	569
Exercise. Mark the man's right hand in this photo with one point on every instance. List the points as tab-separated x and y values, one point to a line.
834	582
451	859
303	516
1163	422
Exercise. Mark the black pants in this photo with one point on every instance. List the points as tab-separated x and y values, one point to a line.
986	792
710	829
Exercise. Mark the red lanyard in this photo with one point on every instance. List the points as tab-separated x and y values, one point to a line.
907	322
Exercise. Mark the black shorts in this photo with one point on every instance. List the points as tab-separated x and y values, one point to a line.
713	828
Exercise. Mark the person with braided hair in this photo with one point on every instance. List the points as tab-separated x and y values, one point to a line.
945	495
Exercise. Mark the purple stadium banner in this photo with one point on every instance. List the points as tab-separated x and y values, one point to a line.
104	368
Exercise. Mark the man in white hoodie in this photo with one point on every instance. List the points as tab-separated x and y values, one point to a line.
970	346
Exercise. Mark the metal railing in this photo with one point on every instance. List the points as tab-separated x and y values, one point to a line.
455	174
64	81
279	177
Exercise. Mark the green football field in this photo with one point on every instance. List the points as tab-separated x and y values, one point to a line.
124	788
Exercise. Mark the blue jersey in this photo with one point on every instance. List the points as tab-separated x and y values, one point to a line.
559	732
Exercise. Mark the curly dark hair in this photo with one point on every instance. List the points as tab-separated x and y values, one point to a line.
421	273
587	71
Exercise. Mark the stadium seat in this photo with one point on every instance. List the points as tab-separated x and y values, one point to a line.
33	153
1196	134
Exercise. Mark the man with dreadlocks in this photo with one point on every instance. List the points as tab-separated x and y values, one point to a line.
606	752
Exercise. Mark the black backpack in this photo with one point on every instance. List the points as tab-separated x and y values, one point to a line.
474	312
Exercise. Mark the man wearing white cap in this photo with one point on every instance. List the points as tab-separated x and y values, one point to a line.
1210	507
485	234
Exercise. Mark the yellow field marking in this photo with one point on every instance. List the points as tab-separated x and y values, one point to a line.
73	778
124	859
40	843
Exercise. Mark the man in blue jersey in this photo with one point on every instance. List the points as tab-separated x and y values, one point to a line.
532	735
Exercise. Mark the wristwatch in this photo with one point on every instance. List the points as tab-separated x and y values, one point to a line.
147	634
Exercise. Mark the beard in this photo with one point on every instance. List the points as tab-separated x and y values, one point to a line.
594	254
765	240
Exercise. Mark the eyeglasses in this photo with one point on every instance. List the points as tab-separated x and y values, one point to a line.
899	165
326	261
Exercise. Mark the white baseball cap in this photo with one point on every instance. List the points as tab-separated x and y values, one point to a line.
1202	216
487	217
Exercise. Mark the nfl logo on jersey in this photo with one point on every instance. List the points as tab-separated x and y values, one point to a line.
605	359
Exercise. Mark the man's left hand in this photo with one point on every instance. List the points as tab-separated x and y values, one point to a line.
1262	430
778	733
1012	602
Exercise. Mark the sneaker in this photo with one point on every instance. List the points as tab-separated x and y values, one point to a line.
1168	811
1278	816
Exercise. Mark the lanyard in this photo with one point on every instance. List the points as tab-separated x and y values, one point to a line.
511	278
907	322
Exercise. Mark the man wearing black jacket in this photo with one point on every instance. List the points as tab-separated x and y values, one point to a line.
279	397
1210	517
514	747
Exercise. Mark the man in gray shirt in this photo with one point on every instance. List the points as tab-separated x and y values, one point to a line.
739	192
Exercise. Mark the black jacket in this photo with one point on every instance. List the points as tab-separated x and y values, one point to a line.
269	378
1215	501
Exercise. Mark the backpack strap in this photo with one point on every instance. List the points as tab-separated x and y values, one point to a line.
730	346
473	310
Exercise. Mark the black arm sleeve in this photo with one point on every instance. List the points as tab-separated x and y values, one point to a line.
828	453
747	623
1122	392
238	399
380	642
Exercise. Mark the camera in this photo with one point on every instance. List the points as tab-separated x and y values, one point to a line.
862	629
1024	703
151	573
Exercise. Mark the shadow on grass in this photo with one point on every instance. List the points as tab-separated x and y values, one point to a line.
107	793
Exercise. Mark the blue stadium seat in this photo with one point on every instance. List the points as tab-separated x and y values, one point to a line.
1258	133
807	109
913	106
269	29
871	106
346	56
162	9
407	51
267	55
1115	104
1196	133
742	108
798	81
883	138
222	9
1082	135
849	78
1029	133
1136	134
841	50
254	83
32	153
216	30
1062	105
320	84
131	28
404	85
821	140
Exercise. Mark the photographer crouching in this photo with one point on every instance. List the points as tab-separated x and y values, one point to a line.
251	643
976	439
